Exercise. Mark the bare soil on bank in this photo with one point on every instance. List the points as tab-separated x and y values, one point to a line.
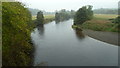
108	37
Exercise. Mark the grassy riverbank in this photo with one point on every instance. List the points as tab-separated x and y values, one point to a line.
101	22
47	18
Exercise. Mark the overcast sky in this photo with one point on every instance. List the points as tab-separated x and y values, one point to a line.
52	5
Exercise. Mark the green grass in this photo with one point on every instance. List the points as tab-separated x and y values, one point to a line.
104	16
47	18
101	22
33	17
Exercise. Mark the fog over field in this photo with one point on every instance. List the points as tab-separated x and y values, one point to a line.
52	5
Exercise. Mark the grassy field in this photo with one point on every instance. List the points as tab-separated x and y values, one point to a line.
104	16
33	17
45	17
48	18
101	22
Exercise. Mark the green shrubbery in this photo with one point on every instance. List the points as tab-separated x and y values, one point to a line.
40	18
108	26
83	14
64	15
16	27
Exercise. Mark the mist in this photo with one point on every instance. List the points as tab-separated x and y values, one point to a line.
53	5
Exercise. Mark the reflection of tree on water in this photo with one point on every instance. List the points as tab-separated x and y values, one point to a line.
79	34
57	21
41	29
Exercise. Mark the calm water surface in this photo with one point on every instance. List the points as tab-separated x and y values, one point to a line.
57	44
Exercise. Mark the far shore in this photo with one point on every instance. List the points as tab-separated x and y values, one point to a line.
108	37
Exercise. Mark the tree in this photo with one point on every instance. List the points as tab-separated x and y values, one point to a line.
83	14
57	17
40	18
16	32
64	15
117	20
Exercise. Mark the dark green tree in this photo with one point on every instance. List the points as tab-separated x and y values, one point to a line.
89	12
117	20
40	18
83	14
64	15
57	17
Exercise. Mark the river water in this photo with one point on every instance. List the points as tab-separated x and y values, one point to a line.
57	44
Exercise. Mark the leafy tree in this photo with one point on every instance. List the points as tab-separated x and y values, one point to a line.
40	18
83	14
57	16
117	20
64	15
16	20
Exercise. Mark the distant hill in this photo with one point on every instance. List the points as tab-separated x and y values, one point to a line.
34	11
105	11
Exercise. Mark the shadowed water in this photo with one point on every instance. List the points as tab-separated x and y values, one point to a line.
57	44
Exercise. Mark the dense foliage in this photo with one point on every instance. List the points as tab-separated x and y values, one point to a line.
83	14
64	15
117	20
40	18
16	28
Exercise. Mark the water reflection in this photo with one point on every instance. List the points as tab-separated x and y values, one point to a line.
41	29
57	21
79	34
63	46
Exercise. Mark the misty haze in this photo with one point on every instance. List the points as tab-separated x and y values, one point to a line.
60	33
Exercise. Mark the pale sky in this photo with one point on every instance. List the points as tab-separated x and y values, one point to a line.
52	5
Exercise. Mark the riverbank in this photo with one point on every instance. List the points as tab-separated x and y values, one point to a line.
108	37
101	28
101	22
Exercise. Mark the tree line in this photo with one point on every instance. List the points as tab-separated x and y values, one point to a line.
64	15
35	11
16	29
105	11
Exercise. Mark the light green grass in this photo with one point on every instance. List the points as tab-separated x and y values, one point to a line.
101	22
45	17
49	16
34	18
104	16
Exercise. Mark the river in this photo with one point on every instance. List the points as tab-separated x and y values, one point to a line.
57	44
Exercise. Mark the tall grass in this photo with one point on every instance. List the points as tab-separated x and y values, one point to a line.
101	22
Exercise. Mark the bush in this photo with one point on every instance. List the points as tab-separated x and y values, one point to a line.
40	18
16	29
83	14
